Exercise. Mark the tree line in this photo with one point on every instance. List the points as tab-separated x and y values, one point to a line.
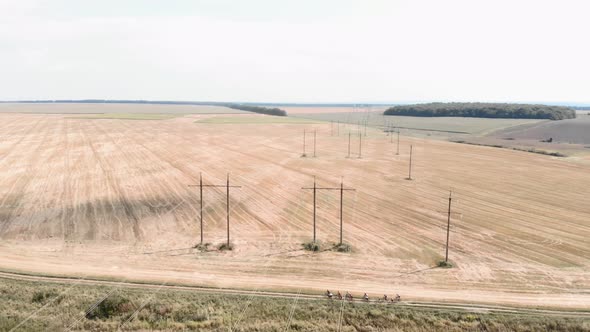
258	109
484	110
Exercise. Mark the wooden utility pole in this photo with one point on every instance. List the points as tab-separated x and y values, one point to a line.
410	175
314	145
360	145
200	185
303	155
397	153
390	132
201	200
342	206
314	208
315	188
332	128
448	227
348	145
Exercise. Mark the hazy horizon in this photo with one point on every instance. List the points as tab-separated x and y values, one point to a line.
307	52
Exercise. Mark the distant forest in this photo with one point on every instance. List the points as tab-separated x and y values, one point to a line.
484	110
258	109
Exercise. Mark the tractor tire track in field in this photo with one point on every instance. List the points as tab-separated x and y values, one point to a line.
120	178
116	185
15	195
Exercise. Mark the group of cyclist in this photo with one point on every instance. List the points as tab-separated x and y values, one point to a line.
349	297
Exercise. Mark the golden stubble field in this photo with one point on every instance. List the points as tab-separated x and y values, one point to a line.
110	198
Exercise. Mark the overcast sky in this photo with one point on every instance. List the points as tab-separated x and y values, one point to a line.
296	51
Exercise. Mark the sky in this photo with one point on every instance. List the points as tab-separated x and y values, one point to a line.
304	51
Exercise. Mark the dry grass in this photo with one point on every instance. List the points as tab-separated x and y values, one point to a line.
101	308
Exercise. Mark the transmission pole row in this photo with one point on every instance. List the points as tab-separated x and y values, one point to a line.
315	188
201	186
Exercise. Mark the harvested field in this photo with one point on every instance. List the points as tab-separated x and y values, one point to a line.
573	131
110	199
254	119
325	109
434	126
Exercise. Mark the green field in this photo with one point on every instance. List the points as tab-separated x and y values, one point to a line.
259	119
129	116
49	306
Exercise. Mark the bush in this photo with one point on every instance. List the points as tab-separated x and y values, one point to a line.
225	246
42	296
343	247
202	246
444	264
111	306
312	246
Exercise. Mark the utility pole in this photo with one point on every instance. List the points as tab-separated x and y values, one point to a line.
397	154
342	206
315	188
200	185
227	205
314	136
332	128
338	128
201	200
348	145
448	227
314	208
360	145
410	175
390	132
303	155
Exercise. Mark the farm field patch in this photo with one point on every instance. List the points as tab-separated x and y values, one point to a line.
111	199
446	126
255	119
111	108
129	116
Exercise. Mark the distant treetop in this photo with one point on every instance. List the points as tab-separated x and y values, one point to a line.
484	110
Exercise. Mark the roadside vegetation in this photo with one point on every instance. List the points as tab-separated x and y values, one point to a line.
484	110
59	307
